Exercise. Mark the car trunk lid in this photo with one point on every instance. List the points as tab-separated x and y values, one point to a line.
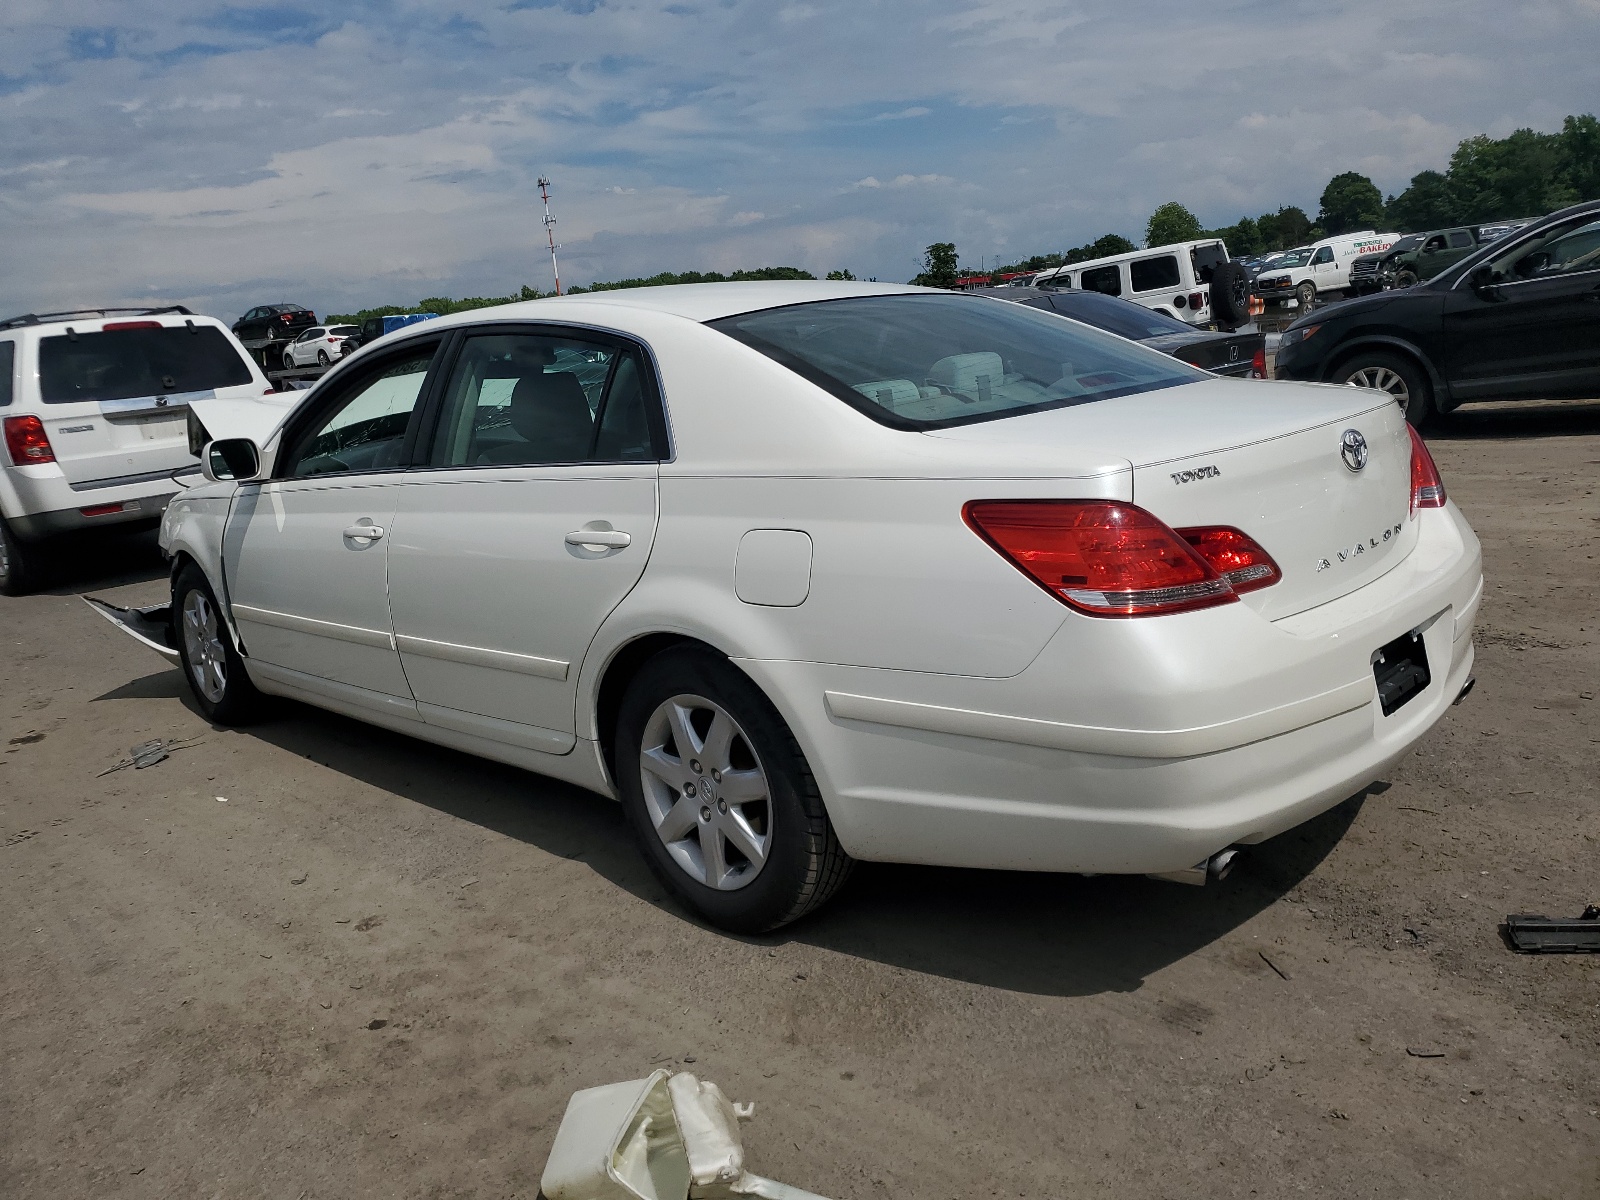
1262	458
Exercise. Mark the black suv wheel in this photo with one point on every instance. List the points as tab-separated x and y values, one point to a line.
1401	377
19	564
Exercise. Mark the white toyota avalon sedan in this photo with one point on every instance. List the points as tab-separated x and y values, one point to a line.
803	573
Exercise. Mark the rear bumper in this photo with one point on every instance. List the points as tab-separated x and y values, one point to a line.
1127	749
39	502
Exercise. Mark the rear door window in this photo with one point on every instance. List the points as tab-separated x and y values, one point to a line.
1102	279
1152	274
118	364
527	399
1461	239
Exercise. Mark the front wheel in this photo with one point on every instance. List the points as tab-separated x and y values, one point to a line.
1405	279
1400	377
213	668
1306	293
19	564
720	797
288	361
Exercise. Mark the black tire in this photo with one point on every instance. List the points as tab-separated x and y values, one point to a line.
322	358
1405	277
1230	295
1306	293
288	361
232	699
803	863
1396	374
20	568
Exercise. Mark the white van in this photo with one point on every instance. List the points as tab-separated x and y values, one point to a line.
94	405
1179	280
1321	267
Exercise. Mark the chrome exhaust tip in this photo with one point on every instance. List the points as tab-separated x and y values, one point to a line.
1472	682
1214	869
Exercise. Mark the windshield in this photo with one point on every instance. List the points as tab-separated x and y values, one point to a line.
1117	316
1295	258
122	363
1410	242
929	361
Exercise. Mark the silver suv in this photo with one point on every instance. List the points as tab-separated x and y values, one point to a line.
94	406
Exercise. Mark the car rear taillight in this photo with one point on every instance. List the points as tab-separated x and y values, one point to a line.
1102	557
27	442
1427	488
1236	556
1258	364
1197	300
110	325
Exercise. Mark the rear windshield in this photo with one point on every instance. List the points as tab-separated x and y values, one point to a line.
343	330
1117	316
121	363
287	308
925	362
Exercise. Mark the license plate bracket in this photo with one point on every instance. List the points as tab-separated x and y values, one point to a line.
1400	669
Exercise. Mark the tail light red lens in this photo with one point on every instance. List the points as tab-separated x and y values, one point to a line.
1197	299
1258	364
1102	557
1427	488
27	442
1235	556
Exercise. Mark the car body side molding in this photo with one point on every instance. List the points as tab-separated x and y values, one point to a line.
477	656
377	638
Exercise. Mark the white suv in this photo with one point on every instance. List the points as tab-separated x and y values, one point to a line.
94	406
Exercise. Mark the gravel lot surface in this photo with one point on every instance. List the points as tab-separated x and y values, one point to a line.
314	959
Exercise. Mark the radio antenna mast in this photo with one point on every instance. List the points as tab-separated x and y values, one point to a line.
550	230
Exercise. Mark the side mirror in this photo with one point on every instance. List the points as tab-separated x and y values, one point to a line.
1481	281
230	460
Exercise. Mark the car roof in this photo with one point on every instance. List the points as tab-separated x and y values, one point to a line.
699	302
79	315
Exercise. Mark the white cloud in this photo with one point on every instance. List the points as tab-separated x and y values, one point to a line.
391	152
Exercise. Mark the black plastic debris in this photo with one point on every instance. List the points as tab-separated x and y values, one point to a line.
1555	935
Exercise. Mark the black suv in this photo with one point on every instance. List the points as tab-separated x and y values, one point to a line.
1518	319
273	323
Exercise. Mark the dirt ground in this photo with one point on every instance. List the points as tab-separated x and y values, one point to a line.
314	959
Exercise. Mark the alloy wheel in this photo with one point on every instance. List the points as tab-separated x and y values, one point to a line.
706	792
202	646
1385	380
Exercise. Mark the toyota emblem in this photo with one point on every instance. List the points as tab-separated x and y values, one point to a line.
1353	449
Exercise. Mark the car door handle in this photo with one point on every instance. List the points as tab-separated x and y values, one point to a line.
606	539
370	532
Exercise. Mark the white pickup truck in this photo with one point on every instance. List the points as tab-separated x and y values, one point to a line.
1319	268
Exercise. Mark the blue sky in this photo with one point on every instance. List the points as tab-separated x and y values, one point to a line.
227	154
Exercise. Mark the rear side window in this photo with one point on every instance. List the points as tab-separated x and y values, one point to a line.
8	357
924	362
1103	279
1149	274
121	363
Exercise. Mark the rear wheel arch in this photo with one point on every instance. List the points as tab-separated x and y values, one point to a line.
624	666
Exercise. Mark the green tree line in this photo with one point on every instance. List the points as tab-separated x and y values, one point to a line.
1525	174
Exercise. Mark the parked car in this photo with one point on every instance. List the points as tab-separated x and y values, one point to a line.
805	572
1438	249
1374	272
1519	318
270	323
1323	268
1241	354
319	346
1193	282
93	404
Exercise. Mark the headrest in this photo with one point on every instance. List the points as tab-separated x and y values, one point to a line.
551	411
969	373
